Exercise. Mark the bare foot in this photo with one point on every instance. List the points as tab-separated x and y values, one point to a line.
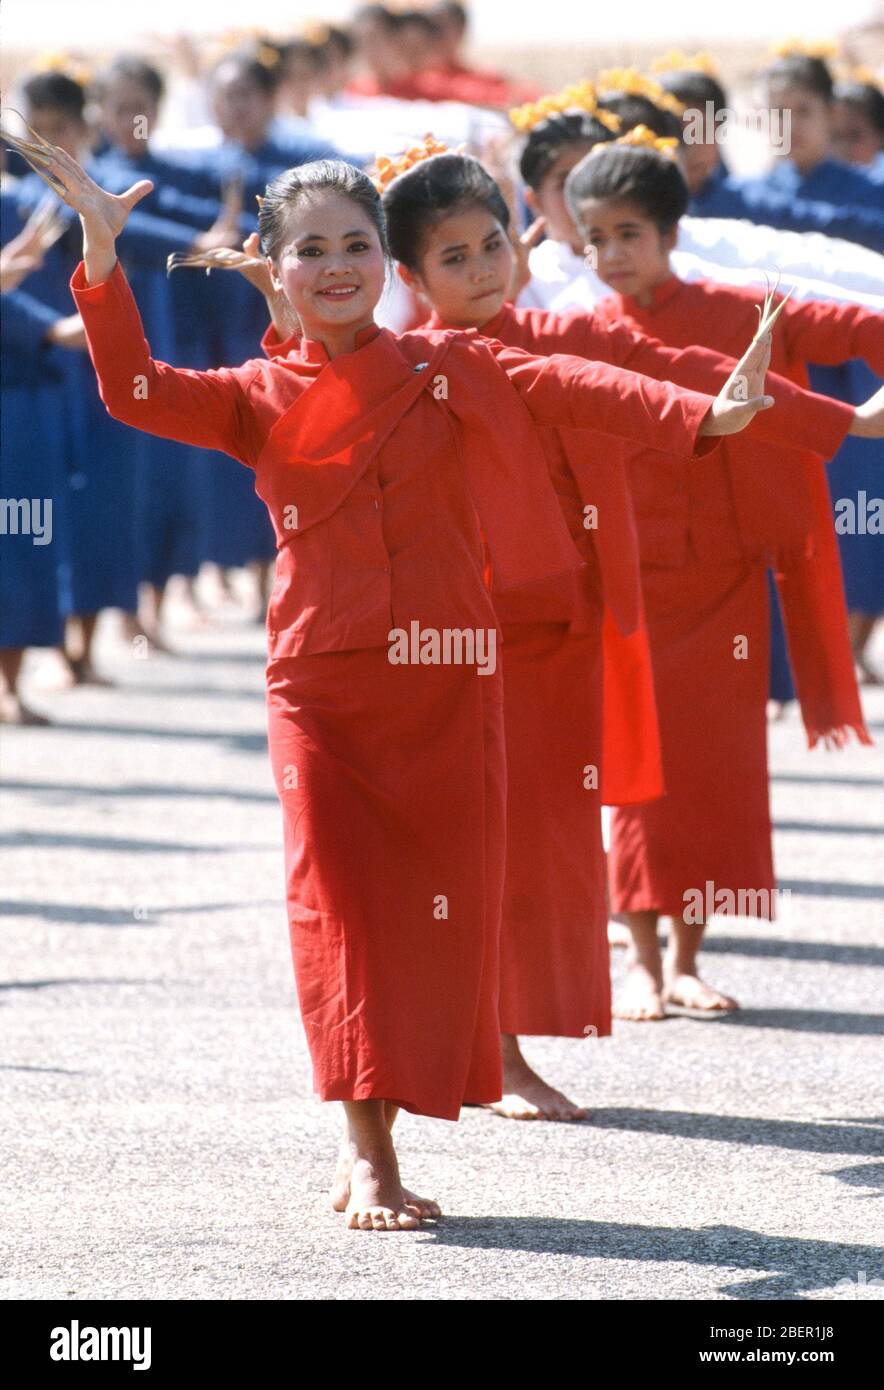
618	934
84	673
537	1101
690	992
377	1201
641	998
777	710
526	1096
14	711
340	1191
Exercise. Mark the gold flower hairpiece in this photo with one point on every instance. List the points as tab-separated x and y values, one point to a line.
582	96
643	137
386	169
867	76
634	83
59	61
677	61
314	31
789	48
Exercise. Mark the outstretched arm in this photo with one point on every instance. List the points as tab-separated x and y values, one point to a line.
204	408
802	419
574	393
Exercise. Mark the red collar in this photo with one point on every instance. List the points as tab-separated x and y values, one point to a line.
660	294
312	350
489	329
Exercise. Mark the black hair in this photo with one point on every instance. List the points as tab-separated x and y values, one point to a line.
864	97
801	70
416	19
634	174
634	110
129	68
338	38
378	14
264	76
55	91
448	11
694	88
550	137
295	186
295	49
429	192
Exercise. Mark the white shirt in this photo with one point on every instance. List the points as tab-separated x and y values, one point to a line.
728	252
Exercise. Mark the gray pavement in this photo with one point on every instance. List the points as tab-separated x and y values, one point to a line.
160	1138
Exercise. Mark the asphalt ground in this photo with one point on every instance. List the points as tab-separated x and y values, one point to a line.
161	1139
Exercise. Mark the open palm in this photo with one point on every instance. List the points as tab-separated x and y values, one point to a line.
104	214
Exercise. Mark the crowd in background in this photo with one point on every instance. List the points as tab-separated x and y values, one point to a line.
123	514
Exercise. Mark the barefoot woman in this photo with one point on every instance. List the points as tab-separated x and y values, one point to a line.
379	460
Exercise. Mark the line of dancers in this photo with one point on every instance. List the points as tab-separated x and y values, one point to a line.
577	449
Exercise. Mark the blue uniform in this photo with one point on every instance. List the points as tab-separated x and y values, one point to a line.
106	461
34	559
770	200
174	479
855	471
232	318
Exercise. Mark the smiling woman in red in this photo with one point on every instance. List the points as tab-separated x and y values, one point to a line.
393	470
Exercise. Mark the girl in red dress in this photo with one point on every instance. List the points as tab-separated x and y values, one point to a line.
571	646
394	470
706	534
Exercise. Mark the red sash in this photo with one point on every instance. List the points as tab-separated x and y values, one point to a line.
811	589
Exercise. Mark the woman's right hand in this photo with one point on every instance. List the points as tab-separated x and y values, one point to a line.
103	214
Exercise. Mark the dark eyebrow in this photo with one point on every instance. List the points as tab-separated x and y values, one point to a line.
461	246
618	226
317	236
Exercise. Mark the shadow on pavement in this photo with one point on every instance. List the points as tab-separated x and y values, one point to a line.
808	1136
135	790
789	1266
822	888
837	953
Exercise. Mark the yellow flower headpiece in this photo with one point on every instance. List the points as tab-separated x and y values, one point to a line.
677	61
867	76
232	41
266	55
386	169
57	61
644	137
634	83
581	97
315	32
790	48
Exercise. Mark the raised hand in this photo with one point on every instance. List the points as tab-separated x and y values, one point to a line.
225	230
868	418
103	214
15	266
742	395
